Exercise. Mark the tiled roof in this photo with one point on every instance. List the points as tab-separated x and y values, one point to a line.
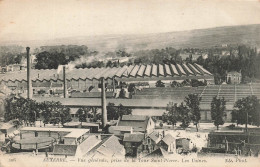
154	136
133	137
107	147
137	122
199	67
168	139
88	144
111	147
166	70
62	149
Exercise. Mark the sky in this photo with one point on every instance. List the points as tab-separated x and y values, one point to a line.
51	19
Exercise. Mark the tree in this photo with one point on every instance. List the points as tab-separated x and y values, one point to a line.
109	63
196	83
114	112
65	115
46	60
24	110
193	103
184	115
218	107
122	93
122	53
159	84
171	116
95	114
131	87
246	111
81	115
54	112
123	111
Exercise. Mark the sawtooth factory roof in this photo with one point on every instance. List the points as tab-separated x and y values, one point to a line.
132	71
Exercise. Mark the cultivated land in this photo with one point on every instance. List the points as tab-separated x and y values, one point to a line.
201	38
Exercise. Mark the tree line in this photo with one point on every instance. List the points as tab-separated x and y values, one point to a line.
27	111
246	111
245	59
186	112
11	55
114	112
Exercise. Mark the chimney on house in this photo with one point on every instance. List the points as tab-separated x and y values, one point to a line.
29	82
163	134
103	103
64	82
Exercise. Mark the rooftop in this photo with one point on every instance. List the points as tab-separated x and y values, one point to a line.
154	136
73	132
168	139
108	146
6	126
234	72
133	137
133	118
62	149
122	128
170	70
137	122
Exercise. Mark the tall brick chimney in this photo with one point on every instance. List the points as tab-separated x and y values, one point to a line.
103	103
64	82
29	81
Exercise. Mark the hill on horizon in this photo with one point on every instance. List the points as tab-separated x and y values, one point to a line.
200	38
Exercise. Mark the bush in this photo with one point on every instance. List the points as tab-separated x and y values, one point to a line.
194	149
160	84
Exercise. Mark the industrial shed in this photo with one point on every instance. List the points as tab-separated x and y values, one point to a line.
82	79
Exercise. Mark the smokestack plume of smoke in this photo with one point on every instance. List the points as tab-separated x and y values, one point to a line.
87	60
29	82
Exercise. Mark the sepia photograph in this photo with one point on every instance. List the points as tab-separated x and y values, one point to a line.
129	83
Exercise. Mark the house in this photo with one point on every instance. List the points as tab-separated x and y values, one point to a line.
152	141
234	77
77	150
88	144
133	143
108	147
183	143
168	143
75	137
139	123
